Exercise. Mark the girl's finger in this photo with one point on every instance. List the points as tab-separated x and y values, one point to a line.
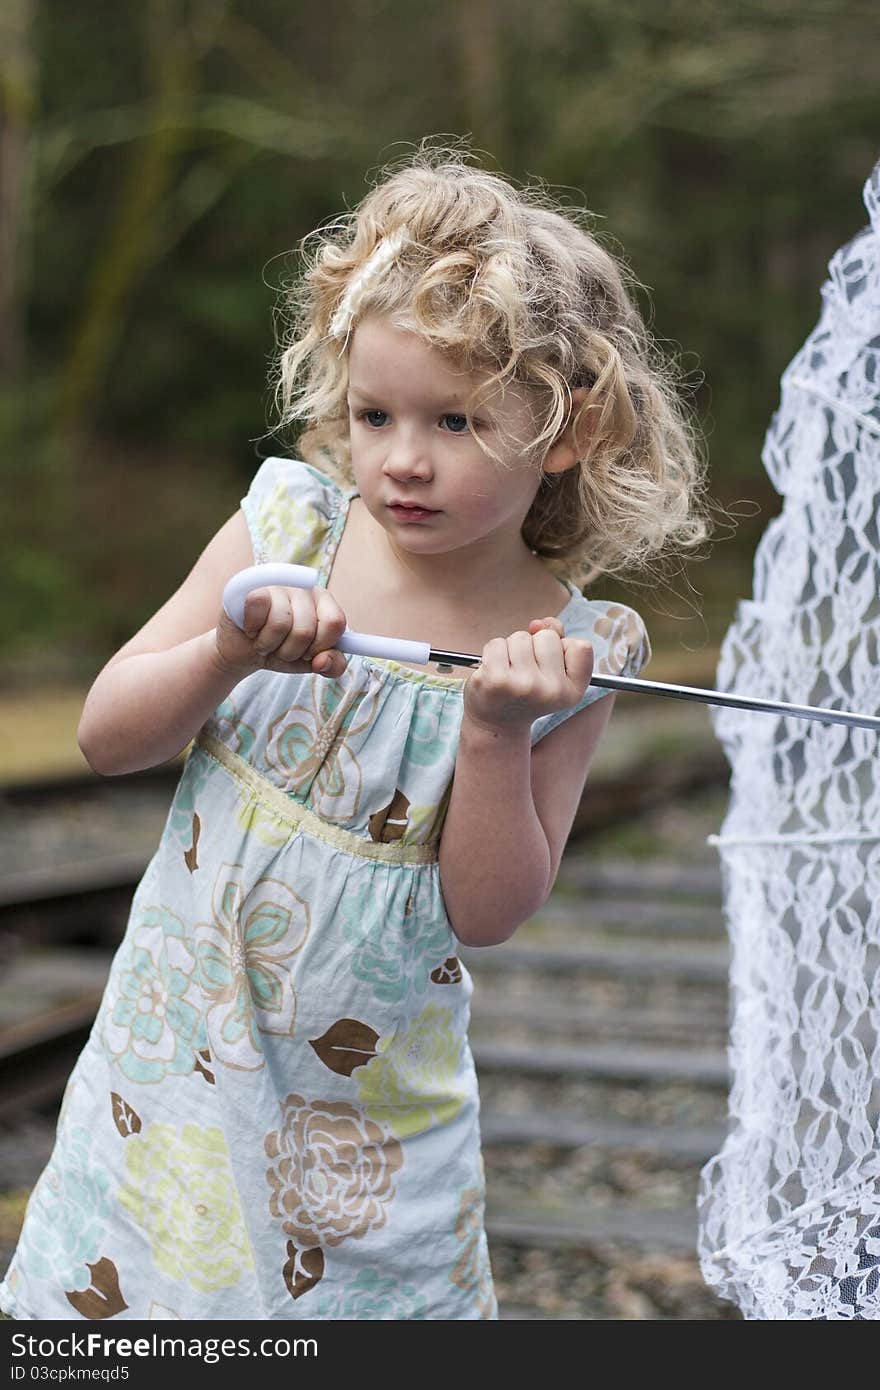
578	656
521	649
330	622
553	623
495	656
256	611
549	653
301	628
330	664
276	623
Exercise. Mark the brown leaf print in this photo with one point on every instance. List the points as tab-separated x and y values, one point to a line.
202	1060
303	1270
126	1120
390	823
103	1299
189	857
449	973
607	622
628	645
332	1171
347	1044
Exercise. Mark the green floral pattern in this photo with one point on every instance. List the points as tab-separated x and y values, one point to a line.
415	1083
181	1193
433	731
191	788
394	954
375	1297
152	1020
244	958
289	524
67	1215
310	747
228	725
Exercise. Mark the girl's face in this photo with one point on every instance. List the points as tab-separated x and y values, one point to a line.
410	443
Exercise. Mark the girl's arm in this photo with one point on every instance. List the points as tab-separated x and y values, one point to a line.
155	694
511	807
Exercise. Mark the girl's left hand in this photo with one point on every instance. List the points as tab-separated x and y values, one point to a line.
526	675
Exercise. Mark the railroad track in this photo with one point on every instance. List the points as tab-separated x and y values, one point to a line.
599	1036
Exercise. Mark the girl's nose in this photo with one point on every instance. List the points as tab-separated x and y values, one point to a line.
408	457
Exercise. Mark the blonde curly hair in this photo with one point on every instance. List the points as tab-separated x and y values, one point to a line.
505	281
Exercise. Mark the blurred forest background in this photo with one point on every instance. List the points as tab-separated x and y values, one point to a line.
159	162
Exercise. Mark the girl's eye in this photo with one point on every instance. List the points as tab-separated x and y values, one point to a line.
376	419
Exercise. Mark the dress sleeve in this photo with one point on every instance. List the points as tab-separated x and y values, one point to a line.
289	508
620	645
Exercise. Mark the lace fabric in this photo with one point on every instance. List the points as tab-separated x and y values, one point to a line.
789	1210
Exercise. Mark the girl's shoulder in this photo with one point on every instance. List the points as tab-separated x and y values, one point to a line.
290	507
616	632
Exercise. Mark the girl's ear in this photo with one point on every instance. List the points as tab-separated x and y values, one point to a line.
569	446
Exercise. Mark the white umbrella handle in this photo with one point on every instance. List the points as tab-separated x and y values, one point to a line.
303	577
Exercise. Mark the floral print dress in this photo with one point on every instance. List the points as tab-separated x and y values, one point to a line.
276	1114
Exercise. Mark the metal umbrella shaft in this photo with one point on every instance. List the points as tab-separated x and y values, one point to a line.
705	697
302	576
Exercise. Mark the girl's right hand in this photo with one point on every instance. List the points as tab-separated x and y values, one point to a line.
287	630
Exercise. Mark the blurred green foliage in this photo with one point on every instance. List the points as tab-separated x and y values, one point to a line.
164	158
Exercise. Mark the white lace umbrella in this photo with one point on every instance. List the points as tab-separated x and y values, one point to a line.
790	1208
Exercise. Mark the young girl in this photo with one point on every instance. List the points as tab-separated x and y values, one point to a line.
276	1114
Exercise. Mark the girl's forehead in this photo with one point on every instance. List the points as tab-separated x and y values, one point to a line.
379	345
388	356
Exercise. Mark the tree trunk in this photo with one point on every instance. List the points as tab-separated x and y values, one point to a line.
129	241
17	85
481	74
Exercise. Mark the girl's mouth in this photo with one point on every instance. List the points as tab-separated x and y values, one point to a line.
412	513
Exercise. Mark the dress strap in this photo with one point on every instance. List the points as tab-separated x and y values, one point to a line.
334	535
